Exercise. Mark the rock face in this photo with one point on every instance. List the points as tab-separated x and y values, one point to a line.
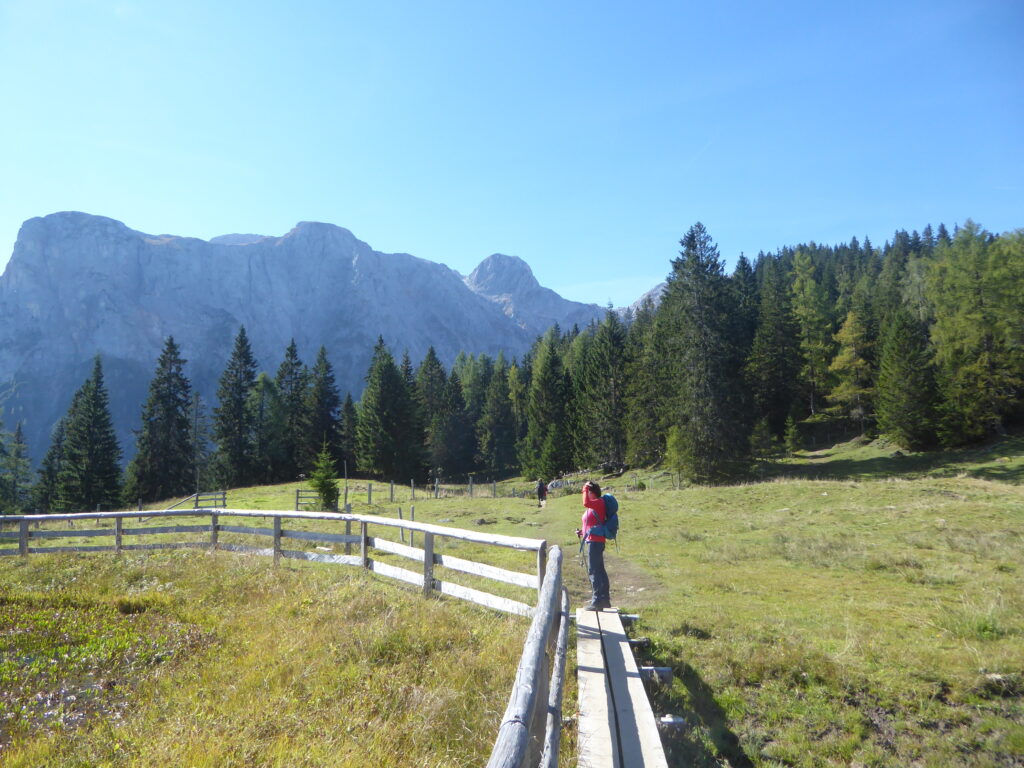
80	285
508	281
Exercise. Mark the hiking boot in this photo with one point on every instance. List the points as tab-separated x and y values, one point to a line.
600	605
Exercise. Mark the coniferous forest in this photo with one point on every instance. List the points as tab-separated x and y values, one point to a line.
920	340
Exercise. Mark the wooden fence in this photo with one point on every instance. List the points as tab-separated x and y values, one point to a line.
529	734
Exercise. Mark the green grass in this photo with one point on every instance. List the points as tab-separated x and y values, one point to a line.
872	618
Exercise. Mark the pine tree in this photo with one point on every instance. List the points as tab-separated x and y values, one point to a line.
44	493
744	286
15	472
496	427
451	451
268	430
324	480
164	461
411	459
646	387
292	384
851	397
200	432
771	369
322	403
976	286
601	395
232	425
378	430
545	450
347	435
89	474
711	415
810	308
905	392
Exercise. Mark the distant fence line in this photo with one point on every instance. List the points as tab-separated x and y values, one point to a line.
529	735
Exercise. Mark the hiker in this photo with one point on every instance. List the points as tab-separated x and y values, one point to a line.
542	492
594	515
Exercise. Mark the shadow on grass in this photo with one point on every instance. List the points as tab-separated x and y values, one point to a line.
705	721
998	461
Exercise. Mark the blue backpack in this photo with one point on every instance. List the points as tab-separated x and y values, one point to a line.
610	528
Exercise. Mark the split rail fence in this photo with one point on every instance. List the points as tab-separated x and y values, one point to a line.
529	734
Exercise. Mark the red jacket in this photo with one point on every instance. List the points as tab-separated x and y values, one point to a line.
594	514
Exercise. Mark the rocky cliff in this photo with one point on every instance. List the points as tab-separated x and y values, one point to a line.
78	285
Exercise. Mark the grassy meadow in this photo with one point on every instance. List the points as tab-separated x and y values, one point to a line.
856	607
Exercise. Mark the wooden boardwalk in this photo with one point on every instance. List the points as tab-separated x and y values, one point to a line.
617	728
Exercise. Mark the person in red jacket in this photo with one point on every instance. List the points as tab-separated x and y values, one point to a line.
593	515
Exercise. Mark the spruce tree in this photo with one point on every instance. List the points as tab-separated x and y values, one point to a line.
164	461
347	435
378	430
545	450
711	415
89	475
292	383
44	493
810	308
412	457
15	472
496	427
232	423
905	392
601	394
322	403
266	416
852	395
646	388
976	287
773	364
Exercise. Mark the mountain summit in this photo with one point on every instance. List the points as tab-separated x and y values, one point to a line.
78	285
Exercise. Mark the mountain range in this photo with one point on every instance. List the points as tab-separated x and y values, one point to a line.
79	285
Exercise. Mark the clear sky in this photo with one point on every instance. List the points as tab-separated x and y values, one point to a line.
585	137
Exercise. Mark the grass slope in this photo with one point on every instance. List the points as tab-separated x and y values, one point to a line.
874	618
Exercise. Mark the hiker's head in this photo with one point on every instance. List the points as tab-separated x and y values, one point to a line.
593	488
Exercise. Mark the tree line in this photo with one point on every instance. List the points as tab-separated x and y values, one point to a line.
921	340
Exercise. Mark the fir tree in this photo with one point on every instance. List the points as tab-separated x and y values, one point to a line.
232	425
378	430
710	412
411	459
976	287
347	435
292	384
89	474
266	416
44	493
851	397
15	472
496	427
810	308
905	392
324	480
646	386
772	367
601	394
163	465
322	403
545	450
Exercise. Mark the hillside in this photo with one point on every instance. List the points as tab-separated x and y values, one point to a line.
872	618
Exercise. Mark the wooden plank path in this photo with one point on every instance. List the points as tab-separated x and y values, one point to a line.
617	728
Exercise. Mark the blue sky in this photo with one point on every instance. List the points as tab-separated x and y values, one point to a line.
584	137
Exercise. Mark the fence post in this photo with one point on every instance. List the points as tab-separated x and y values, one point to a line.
412	486
494	490
23	538
412	534
346	496
118	525
363	545
471	486
542	562
277	540
391	498
428	563
348	532
214	530
437	490
369	493
296	499
401	531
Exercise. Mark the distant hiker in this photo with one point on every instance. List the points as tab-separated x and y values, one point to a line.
542	492
594	516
